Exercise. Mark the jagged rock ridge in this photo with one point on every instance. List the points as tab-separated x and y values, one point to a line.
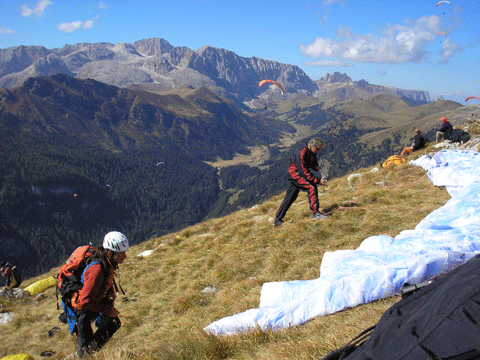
155	64
347	89
152	63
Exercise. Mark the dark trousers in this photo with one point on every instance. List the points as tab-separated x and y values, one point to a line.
293	189
87	340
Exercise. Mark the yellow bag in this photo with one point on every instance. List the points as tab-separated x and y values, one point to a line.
394	159
40	285
18	357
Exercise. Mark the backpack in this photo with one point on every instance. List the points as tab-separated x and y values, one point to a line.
394	159
69	280
69	275
69	315
459	136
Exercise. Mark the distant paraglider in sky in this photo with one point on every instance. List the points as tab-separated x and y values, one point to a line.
442	33
442	2
273	82
471	97
161	162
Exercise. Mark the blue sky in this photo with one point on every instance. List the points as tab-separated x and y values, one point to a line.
385	42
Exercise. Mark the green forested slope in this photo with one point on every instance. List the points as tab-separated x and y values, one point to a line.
58	193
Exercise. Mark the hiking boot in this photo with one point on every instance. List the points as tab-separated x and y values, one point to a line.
277	222
318	216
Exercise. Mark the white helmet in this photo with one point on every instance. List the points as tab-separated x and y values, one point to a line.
115	241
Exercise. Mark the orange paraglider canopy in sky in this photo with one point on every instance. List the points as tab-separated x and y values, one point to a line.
471	97
273	82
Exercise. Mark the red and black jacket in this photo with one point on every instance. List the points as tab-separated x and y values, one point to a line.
303	162
7	274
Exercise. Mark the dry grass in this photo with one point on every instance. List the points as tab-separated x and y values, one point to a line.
236	254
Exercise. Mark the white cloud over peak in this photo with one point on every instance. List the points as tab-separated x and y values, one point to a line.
394	44
71	26
38	10
76	25
328	63
102	5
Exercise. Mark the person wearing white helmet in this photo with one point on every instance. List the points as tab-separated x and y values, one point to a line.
95	300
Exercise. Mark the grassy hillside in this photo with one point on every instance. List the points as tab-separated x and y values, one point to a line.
86	135
236	254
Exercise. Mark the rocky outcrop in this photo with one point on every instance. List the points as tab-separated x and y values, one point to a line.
344	88
336	78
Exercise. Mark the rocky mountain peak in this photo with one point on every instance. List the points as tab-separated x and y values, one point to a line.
335	78
154	64
125	48
152	46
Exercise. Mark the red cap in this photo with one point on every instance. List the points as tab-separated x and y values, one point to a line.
443	119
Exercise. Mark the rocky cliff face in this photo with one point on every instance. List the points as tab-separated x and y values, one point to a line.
154	64
345	89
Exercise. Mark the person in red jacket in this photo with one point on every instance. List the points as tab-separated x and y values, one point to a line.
95	300
445	130
301	176
8	274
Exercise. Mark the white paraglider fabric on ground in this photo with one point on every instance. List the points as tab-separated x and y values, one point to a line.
446	238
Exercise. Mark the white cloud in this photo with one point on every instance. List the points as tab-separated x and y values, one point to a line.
330	2
322	18
38	10
382	72
69	27
7	31
101	5
76	25
449	48
327	63
394	44
344	31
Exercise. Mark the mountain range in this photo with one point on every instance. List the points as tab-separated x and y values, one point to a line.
154	64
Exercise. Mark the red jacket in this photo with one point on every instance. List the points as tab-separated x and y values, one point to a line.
303	163
97	293
7	274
